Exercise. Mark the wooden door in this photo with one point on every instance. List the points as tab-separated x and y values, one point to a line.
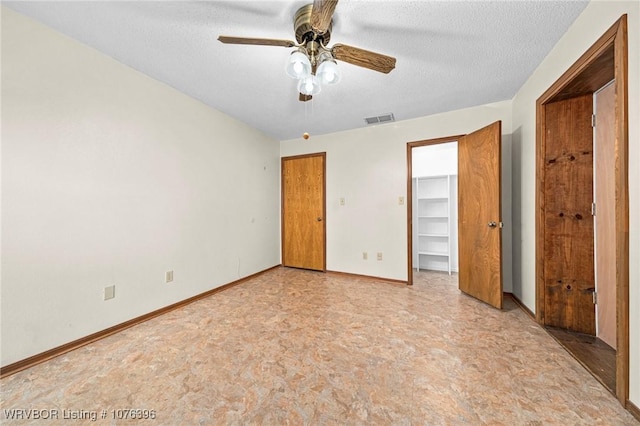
568	225
605	217
479	218
303	212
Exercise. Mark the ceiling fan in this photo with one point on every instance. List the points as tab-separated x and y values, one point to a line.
313	63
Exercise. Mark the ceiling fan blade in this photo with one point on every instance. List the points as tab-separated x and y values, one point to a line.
256	41
304	98
321	15
363	58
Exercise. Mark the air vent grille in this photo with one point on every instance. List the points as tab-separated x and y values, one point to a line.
385	118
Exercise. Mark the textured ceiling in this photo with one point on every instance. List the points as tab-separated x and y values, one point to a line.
450	54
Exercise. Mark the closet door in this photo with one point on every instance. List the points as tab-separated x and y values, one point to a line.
479	218
568	240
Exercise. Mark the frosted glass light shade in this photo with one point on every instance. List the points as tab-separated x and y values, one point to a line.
309	85
328	72
298	66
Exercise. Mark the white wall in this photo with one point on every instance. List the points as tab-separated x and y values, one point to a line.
590	25
368	167
110	177
435	160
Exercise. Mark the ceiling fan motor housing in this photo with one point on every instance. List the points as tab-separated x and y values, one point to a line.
303	30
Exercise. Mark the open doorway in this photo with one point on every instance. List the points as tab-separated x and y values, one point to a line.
435	208
479	212
565	243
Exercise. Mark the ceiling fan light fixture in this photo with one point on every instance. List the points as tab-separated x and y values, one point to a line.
328	72
298	65
309	86
312	63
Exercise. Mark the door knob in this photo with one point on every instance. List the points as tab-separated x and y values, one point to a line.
319	219
492	224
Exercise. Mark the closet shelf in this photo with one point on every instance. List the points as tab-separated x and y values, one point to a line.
433	226
434	198
433	253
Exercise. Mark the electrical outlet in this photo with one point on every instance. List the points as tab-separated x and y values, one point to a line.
379	255
342	201
364	255
109	292
168	276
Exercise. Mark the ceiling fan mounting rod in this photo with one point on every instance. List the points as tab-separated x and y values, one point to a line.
313	49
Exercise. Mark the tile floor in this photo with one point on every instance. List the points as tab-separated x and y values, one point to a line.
301	347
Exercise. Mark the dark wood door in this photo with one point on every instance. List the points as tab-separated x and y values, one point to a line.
303	211
568	261
479	218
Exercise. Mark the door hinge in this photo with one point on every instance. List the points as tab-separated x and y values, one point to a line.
593	120
593	209
595	298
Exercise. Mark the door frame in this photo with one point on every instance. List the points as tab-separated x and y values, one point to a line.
324	203
605	60
410	146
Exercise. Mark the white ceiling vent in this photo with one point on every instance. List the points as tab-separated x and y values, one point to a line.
385	118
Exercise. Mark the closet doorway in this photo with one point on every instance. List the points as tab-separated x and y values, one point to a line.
435	207
479	208
567	196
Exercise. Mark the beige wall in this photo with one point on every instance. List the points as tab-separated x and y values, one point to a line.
590	25
110	177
